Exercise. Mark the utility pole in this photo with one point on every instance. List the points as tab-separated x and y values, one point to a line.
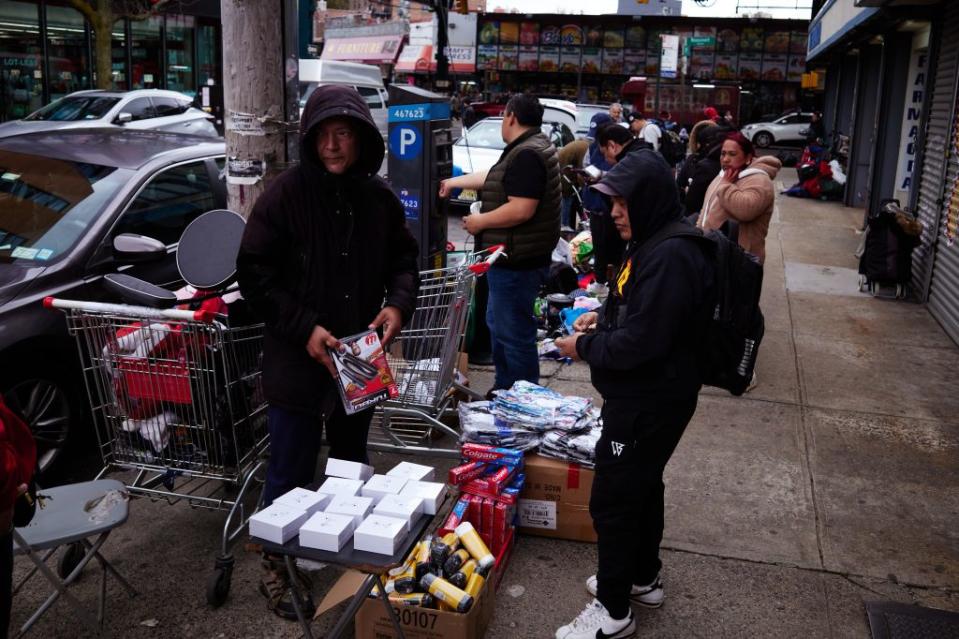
442	43
260	70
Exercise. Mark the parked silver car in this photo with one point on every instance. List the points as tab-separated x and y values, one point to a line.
154	109
788	127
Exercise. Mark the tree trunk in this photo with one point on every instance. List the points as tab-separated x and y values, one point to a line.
103	42
253	79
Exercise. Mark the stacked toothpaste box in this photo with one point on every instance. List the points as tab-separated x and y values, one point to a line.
490	480
376	511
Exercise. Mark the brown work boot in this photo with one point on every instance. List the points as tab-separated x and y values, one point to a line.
275	586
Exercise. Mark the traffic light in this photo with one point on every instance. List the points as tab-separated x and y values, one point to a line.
462	6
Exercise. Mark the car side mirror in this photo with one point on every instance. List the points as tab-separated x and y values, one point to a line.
130	247
124	117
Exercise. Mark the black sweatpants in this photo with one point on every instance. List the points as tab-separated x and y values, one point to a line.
639	437
295	445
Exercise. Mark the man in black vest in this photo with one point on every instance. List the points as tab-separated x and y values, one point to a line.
520	205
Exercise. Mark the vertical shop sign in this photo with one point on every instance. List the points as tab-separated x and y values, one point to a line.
670	56
911	113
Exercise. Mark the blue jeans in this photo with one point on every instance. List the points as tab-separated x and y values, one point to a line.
512	325
295	446
566	211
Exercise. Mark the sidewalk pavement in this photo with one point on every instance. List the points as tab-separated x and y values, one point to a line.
833	483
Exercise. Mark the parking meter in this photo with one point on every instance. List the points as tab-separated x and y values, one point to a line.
420	155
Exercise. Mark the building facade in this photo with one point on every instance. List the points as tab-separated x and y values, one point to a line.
47	51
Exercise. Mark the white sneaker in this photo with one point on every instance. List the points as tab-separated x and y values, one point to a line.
650	596
595	623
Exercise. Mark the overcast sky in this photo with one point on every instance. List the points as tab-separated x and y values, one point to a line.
719	8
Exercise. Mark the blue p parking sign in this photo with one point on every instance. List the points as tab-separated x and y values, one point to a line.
406	142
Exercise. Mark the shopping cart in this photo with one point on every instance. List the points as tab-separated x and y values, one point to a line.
176	398
423	359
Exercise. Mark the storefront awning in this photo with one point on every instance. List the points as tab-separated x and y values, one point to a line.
421	59
376	49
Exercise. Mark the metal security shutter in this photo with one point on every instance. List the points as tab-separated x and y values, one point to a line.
937	143
944	287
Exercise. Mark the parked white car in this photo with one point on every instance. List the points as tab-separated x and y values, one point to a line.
482	144
789	127
154	109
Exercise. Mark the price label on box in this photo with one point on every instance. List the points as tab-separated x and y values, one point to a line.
537	513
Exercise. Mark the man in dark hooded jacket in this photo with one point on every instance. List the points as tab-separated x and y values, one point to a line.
642	350
325	245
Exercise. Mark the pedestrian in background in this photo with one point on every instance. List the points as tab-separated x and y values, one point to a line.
572	158
644	364
520	207
701	165
648	131
326	253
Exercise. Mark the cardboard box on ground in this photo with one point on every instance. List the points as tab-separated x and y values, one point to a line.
555	500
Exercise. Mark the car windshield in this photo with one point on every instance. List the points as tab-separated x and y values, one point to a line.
46	205
485	134
585	114
70	109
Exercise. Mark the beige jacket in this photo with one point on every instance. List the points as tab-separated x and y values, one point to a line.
749	201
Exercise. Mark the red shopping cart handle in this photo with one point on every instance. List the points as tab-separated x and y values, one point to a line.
495	252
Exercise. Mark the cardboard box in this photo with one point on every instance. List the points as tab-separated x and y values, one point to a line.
303	499
405	507
326	531
379	534
431	493
356	507
555	500
277	523
371	621
341	487
379	486
348	469
414	472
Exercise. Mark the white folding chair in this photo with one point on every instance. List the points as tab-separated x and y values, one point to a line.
82	516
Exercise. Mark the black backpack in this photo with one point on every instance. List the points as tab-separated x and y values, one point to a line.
735	331
672	147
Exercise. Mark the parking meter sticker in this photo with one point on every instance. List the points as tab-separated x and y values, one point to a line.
44	254
406	142
24	253
410	199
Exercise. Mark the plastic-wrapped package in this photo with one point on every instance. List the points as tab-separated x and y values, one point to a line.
536	408
479	426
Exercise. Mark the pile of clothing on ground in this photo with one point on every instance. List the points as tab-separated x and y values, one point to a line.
528	416
819	177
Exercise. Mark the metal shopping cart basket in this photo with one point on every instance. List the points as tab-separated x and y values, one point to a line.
423	360
176	398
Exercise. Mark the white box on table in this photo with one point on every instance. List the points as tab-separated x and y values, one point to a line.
341	487
277	523
379	534
355	506
412	472
378	486
302	499
432	494
348	469
408	508
327	531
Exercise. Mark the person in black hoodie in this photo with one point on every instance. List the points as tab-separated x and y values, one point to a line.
326	253
705	167
643	356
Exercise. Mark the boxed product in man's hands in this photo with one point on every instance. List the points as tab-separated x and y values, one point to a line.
432	494
555	500
326	531
408	508
379	534
303	499
277	523
340	486
417	472
348	469
356	507
364	374
379	486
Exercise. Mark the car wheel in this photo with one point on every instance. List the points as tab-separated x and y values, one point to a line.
763	139
48	405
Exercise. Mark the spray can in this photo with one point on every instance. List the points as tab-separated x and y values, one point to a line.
446	592
405	582
472	542
421	599
455	560
475	584
421	557
442	547
461	577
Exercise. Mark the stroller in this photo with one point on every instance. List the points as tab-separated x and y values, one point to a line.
891	235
